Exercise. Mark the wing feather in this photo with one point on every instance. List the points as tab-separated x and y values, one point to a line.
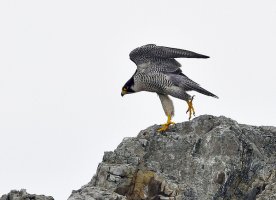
153	58
187	84
150	51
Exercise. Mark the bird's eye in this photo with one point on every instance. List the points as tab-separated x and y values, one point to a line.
125	89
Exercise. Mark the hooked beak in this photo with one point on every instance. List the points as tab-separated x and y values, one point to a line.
123	93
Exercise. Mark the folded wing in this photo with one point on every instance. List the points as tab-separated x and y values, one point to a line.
187	84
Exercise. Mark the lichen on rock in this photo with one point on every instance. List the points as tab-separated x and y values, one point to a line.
206	158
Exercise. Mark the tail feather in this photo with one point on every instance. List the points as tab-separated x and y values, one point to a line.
203	91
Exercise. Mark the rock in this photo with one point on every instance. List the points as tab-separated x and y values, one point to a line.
23	195
206	158
95	193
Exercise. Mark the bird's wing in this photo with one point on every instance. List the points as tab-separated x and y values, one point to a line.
187	84
183	81
161	66
151	51
153	56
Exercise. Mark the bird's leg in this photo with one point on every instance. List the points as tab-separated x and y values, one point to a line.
166	125
167	105
191	109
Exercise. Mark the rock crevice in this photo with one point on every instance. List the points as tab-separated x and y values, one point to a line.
206	158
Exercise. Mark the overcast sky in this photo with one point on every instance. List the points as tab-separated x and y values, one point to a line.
63	63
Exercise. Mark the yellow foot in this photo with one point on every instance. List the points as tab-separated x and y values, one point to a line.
166	126
191	109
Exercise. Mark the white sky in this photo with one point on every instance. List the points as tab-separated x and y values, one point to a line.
63	63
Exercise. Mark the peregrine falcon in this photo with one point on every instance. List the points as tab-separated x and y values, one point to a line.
158	71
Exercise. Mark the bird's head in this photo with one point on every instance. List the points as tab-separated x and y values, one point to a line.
128	88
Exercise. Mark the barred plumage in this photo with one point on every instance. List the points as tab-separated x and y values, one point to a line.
158	71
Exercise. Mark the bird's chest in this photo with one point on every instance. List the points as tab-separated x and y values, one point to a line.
152	82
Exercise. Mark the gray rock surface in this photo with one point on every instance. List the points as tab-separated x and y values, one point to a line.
206	158
23	195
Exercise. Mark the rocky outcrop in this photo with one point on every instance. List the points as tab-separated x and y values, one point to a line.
206	158
23	195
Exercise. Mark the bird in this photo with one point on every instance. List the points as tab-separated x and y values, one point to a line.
158	71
